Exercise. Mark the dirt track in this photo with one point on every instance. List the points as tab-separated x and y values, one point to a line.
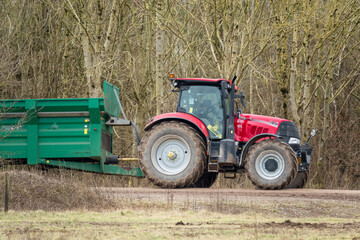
289	202
236	194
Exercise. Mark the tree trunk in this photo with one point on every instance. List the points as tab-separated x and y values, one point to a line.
159	49
293	76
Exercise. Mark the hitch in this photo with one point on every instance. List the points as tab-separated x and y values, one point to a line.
304	153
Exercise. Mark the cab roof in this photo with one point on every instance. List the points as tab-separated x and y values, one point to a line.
210	81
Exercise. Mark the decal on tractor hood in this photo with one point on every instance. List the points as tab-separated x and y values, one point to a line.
271	123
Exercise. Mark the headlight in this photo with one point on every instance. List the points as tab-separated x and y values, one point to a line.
294	141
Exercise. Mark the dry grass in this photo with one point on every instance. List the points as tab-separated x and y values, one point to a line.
161	224
35	190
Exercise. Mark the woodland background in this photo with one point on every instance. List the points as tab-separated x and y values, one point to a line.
295	59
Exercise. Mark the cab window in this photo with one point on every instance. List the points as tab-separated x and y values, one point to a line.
204	102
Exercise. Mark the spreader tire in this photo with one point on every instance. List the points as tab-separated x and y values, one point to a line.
206	180
271	164
172	155
299	180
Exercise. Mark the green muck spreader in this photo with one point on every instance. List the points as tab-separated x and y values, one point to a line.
71	133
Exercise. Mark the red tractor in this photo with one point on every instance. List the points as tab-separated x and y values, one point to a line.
205	136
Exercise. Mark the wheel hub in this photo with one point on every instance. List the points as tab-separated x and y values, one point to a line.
271	165
172	155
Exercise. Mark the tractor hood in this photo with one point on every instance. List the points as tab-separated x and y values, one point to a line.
249	125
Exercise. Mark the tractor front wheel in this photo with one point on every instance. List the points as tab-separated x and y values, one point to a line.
271	164
172	155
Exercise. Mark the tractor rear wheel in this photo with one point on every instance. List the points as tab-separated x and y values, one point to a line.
172	155
271	164
300	180
206	180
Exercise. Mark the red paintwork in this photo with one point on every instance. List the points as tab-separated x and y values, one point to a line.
201	79
249	125
176	115
246	127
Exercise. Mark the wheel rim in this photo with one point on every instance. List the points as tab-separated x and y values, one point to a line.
270	165
170	155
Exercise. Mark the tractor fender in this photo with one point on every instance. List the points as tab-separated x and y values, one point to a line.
251	142
193	121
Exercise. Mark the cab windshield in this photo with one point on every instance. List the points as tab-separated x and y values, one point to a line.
204	102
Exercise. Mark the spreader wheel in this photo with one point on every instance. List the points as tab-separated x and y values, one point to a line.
271	164
172	155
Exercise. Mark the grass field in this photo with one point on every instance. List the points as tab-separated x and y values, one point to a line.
172	224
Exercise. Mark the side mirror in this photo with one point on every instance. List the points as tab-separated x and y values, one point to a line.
313	132
242	99
238	113
224	89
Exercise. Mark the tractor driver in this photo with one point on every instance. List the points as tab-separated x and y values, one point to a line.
209	110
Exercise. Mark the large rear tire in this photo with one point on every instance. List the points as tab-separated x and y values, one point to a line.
271	164
206	180
172	155
300	180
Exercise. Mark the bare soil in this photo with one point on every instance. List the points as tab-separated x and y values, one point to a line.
249	194
282	203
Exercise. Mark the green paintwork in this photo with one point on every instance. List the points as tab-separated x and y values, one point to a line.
61	129
108	169
34	137
110	102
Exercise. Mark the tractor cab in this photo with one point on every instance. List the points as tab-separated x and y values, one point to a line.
204	99
212	101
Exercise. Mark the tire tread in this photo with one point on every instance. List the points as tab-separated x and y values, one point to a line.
281	184
196	172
